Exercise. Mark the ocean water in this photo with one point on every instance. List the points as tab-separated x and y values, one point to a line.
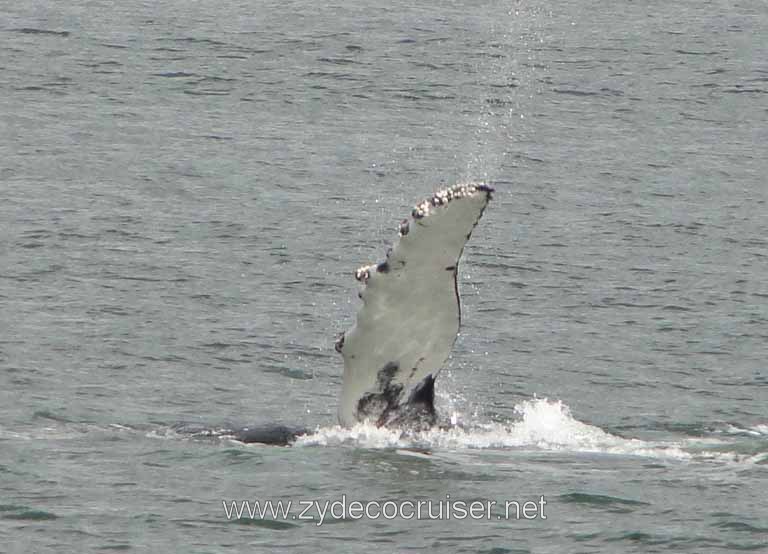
187	187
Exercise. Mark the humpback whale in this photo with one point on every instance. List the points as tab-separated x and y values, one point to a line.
408	322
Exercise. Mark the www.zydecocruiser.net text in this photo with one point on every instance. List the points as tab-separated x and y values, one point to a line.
343	508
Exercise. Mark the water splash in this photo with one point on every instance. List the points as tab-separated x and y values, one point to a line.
544	426
759	430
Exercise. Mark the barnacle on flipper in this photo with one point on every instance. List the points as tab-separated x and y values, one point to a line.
444	196
421	210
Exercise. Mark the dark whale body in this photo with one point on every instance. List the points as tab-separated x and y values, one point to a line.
276	434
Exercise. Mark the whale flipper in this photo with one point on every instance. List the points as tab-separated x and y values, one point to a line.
411	313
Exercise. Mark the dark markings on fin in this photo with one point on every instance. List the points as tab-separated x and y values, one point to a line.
424	394
339	343
417	413
415	368
451	268
386	373
388	397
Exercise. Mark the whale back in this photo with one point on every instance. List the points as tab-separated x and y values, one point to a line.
411	312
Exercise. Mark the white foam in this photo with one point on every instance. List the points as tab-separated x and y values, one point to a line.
759	430
545	426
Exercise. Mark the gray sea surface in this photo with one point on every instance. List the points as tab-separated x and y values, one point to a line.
187	187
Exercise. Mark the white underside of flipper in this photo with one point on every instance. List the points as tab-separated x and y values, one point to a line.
411	311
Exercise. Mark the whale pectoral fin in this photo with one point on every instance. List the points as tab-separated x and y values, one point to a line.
411	310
